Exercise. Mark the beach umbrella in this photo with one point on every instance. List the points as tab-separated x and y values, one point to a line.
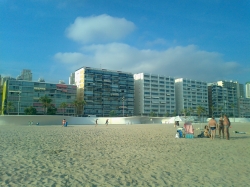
177	118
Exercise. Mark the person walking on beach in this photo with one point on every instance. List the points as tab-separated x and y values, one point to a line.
96	123
212	125
63	122
107	122
226	125
221	127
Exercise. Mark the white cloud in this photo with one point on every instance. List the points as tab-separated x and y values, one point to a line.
186	62
102	28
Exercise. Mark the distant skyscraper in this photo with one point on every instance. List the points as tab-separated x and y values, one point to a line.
72	78
26	75
248	90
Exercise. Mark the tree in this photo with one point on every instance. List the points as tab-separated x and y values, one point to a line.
220	109
10	107
112	113
190	111
233	106
184	111
200	110
212	110
51	110
63	105
46	101
152	114
79	104
174	113
30	111
167	114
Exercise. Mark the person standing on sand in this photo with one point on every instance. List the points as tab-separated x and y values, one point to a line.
221	127
63	122
212	125
107	122
226	125
96	123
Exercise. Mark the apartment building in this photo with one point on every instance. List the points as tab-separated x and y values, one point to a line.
191	94
247	89
244	107
23	94
105	91
233	84
154	93
222	100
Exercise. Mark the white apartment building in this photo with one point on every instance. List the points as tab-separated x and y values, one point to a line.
190	94
154	93
248	90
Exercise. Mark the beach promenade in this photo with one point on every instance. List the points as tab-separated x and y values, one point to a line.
121	155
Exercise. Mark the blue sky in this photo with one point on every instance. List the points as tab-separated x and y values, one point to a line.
205	40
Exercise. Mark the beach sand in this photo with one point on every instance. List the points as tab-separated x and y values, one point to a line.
121	155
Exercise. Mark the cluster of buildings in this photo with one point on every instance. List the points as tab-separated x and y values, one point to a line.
127	94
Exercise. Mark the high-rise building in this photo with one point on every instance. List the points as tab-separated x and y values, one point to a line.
248	90
222	100
22	94
154	94
72	78
233	84
26	75
191	94
106	92
244	107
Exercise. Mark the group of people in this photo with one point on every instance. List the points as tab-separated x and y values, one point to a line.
106	123
222	126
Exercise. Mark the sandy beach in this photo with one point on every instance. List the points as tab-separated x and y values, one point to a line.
121	155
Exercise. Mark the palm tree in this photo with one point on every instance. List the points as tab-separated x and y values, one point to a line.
46	101
30	110
212	109
190	111
200	110
233	106
63	105
78	104
112	113
10	107
220	109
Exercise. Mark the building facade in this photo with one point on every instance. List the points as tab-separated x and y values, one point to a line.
248	90
23	94
105	92
233	84
191	94
222	100
154	94
244	107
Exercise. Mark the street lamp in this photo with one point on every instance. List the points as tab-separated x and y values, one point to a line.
19	94
123	106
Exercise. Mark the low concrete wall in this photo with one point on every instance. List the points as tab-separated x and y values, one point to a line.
57	120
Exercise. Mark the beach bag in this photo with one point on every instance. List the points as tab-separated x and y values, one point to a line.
177	135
